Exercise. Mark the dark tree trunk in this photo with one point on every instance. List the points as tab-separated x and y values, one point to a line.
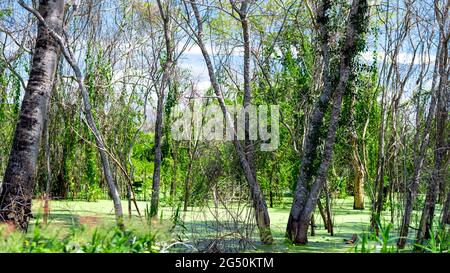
158	155
19	180
298	223
312	138
322	214
328	210
446	212
102	149
305	217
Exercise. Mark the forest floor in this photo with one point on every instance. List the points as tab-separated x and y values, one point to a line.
199	223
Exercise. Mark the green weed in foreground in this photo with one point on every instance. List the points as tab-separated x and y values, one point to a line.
384	242
78	240
437	243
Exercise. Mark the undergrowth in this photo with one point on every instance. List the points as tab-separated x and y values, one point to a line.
79	239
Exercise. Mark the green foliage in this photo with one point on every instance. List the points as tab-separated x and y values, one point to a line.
91	174
438	242
16	86
5	12
80	240
3	94
142	159
118	241
382	243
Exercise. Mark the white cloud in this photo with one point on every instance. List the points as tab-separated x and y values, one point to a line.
403	58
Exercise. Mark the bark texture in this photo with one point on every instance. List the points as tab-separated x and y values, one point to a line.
298	223
102	149
19	179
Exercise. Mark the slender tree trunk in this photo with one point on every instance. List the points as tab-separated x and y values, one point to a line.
19	179
192	150
379	180
377	198
328	210
420	155
322	214
446	212
164	11
248	148
262	215
216	200
412	189
46	197
271	186
437	178
158	157
259	203
48	184
270	194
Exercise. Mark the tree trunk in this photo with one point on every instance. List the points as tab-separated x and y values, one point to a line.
158	155
420	155
312	138
437	178
328	210
446	212
69	56
248	148
19	180
259	203
305	217
297	228
164	12
322	214
412	189
358	175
